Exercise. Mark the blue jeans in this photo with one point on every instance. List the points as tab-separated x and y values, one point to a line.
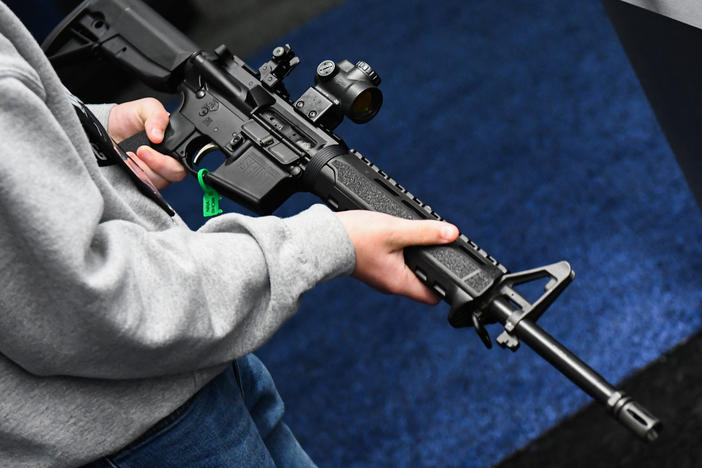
221	428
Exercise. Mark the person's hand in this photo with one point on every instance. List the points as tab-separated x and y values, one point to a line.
148	115
379	240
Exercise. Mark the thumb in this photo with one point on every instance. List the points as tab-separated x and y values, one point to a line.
155	118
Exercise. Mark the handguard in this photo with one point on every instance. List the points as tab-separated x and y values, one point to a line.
274	146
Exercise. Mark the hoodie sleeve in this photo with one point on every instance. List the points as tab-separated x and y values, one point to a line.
85	292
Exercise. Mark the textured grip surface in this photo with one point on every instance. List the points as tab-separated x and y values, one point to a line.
460	272
135	141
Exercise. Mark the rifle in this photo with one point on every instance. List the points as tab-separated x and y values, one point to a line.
274	147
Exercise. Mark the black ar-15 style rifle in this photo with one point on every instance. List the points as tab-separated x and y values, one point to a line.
274	147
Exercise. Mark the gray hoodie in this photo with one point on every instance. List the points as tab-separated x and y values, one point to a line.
112	313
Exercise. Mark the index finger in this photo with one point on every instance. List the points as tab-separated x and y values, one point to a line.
165	166
422	232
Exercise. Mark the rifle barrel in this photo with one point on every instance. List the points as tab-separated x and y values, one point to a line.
620	406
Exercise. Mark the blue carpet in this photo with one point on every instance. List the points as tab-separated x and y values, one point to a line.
523	124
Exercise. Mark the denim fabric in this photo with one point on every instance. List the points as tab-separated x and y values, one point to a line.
222	428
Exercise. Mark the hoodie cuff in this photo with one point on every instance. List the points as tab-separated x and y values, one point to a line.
325	246
101	111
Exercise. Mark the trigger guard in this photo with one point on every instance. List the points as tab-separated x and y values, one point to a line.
204	151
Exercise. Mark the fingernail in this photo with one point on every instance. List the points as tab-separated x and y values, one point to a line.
448	232
157	133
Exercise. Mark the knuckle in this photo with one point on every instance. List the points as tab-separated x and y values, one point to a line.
393	236
151	101
153	107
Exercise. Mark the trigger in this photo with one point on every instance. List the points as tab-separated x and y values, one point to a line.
205	150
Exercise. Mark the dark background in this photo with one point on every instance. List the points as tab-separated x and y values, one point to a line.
525	125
